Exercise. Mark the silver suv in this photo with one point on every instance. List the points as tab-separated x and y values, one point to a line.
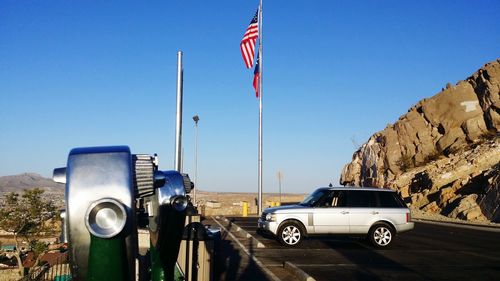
375	213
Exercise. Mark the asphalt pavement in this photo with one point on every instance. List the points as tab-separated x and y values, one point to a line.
429	252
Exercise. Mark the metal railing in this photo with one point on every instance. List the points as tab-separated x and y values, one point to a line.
36	274
57	270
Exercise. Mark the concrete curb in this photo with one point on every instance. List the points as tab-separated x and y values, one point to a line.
297	272
243	232
489	228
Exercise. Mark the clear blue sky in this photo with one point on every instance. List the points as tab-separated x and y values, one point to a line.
91	73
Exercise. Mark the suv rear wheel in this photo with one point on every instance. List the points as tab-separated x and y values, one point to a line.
381	235
290	233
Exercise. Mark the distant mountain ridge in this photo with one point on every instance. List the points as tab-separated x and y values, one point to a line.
17	183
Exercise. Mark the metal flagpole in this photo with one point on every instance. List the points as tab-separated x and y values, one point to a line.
259	207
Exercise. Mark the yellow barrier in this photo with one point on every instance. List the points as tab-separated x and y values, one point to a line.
245	208
274	203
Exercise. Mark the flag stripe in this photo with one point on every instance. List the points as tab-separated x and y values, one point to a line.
247	45
246	56
247	51
252	31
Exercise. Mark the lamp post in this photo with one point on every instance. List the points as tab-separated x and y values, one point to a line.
280	176
195	119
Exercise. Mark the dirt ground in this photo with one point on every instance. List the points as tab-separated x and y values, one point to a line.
9	274
9	240
228	203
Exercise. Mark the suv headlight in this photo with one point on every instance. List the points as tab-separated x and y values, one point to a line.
270	217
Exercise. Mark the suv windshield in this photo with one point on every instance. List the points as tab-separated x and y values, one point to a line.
313	198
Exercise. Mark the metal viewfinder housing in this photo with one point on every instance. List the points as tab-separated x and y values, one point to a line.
104	185
99	188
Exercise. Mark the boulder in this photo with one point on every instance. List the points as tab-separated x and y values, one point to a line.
489	203
432	208
494	116
467	209
474	128
455	137
450	108
418	200
446	195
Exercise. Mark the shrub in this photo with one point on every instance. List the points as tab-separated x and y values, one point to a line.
405	163
490	135
432	157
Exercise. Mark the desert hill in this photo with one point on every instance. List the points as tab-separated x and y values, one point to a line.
228	203
443	155
19	182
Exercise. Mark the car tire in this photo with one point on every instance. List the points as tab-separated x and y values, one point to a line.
381	235
291	234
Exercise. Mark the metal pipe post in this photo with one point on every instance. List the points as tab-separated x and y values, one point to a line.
178	123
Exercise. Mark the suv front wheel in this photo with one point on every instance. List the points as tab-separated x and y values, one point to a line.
381	235
290	233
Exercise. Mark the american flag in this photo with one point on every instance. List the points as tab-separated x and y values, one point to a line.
256	76
247	44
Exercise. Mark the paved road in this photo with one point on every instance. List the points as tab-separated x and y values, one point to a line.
429	252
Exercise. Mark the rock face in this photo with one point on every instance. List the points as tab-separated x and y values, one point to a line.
437	153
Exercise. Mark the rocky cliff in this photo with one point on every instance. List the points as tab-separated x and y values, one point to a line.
443	154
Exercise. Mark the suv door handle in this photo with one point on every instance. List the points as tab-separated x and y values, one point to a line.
344	212
374	213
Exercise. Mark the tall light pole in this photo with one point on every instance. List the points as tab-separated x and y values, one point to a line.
195	119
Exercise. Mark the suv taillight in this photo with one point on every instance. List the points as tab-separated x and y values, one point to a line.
408	217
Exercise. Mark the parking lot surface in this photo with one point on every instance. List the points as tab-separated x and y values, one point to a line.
429	252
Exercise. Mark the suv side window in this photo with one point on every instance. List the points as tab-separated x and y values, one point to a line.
390	200
336	198
326	199
362	199
339	198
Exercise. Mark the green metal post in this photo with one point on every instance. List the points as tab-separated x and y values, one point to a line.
107	259
157	273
